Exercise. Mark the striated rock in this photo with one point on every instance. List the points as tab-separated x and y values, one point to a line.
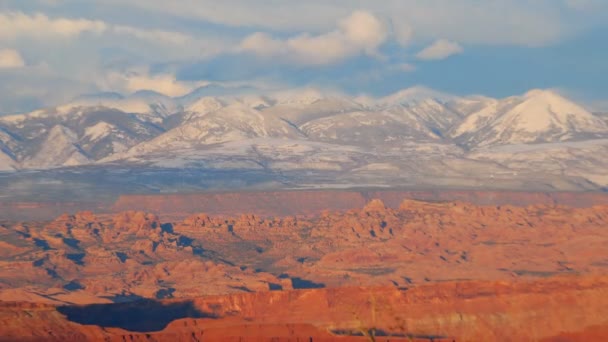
570	308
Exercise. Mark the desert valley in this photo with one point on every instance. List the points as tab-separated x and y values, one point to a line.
440	270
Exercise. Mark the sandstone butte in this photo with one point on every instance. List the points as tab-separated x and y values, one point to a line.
439	271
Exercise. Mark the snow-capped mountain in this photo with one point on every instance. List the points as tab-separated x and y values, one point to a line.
217	125
413	95
416	134
371	128
539	116
90	133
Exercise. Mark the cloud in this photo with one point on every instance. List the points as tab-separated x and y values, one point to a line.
440	49
15	25
158	36
403	32
361	32
33	87
18	24
512	22
215	40
131	82
10	58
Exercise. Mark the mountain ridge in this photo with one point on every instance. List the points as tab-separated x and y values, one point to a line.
416	132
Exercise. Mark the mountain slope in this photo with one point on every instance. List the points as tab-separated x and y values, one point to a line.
7	163
539	116
60	148
413	95
435	115
96	131
235	122
308	137
370	128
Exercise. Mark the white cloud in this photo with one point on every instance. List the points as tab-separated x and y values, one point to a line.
158	36
441	49
512	22
131	82
364	30
403	32
33	87
10	58
263	45
361	32
14	25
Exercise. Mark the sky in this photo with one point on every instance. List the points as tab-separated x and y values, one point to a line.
52	51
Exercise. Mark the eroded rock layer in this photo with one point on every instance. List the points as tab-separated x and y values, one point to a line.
461	269
558	309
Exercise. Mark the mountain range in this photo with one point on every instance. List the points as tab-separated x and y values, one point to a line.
415	136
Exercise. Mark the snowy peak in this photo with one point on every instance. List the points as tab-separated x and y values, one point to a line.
538	116
305	96
98	131
204	105
414	95
148	125
234	122
545	110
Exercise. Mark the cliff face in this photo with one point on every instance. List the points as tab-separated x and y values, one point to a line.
573	307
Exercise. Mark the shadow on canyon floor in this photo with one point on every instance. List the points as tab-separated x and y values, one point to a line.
140	316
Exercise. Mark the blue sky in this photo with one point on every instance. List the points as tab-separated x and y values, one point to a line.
54	50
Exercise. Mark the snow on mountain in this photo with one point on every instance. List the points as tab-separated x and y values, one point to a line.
256	101
100	130
7	163
8	141
203	106
437	116
414	94
215	90
299	108
470	104
369	128
306	96
538	116
7	157
235	122
416	134
59	148
601	115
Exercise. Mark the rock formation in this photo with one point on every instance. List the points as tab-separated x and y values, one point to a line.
487	253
